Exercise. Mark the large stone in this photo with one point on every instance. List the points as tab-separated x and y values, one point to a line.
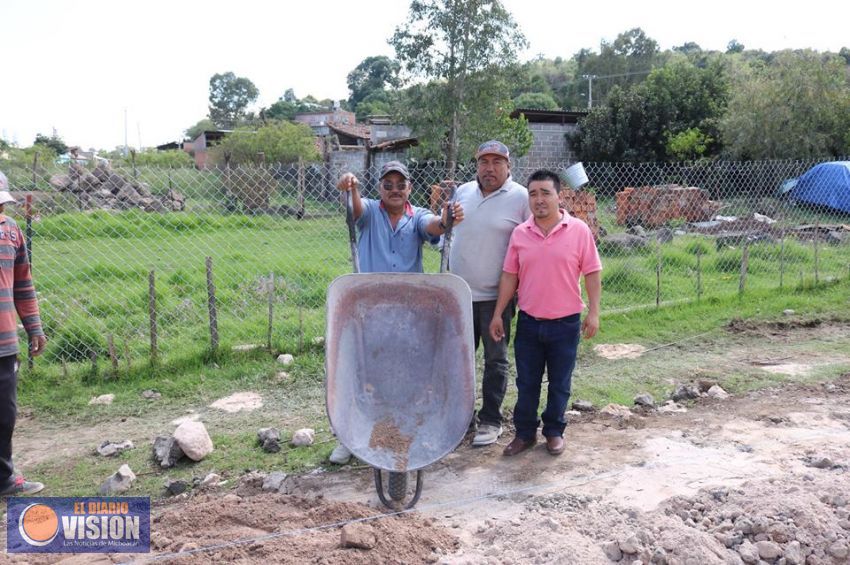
105	399
118	482
685	392
768	550
794	553
269	439
60	182
127	193
612	550
358	535
193	439
274	481
622	242
166	451
748	552
583	406
285	359
717	392
110	448
176	486
303	437
102	172
645	399
616	411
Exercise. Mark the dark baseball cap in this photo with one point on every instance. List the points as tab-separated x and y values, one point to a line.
394	167
493	147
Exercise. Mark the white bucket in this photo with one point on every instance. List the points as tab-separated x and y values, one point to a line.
575	176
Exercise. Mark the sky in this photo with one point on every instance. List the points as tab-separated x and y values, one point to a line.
100	72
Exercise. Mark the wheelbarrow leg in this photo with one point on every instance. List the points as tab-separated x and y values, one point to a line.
397	488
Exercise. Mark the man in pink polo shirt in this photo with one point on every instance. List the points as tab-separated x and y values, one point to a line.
546	256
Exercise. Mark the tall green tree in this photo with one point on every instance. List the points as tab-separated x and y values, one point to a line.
371	78
229	97
54	142
796	106
279	142
460	46
674	113
201	126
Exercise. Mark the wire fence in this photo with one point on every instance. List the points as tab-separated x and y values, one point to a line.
144	265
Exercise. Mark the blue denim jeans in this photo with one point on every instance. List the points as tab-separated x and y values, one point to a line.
539	345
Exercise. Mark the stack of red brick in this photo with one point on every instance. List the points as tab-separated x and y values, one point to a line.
582	205
653	206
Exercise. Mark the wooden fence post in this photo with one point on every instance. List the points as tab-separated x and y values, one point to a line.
271	310
211	306
745	264
781	257
300	187
111	344
152	313
699	274
658	259
816	241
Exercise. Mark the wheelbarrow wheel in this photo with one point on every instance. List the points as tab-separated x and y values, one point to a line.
397	486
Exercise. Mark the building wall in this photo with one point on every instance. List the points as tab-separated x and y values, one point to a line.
318	119
382	133
550	146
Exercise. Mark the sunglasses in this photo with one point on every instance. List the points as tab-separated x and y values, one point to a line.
388	186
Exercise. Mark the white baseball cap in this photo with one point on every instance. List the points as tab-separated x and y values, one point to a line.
5	197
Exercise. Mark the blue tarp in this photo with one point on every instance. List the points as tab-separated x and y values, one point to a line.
826	184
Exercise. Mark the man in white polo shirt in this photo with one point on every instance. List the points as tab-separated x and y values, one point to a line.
546	257
493	206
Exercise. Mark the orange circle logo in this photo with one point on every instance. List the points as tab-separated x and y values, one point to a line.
39	524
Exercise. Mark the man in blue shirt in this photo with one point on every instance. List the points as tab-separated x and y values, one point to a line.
392	232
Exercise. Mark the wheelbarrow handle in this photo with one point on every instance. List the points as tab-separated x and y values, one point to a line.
447	236
352	234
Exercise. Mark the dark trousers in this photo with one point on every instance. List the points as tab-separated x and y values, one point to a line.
8	414
495	381
551	345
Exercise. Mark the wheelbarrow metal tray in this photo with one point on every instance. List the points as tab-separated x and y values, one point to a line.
400	366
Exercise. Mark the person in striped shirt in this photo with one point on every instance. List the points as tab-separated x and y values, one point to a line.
17	294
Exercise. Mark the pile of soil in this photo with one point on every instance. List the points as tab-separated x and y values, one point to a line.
286	522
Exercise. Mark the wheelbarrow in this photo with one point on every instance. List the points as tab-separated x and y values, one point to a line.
399	372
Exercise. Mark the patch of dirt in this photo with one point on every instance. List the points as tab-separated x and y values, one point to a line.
619	350
239	401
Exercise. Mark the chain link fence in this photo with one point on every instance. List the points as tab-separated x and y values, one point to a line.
134	265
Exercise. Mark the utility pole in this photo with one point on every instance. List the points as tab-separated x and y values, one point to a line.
126	147
589	90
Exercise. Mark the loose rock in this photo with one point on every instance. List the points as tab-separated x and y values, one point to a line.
166	451
583	406
303	437
768	550
612	550
285	359
717	392
175	487
645	399
211	480
105	399
194	440
242	348
110	448
685	392
616	411
357	535
269	439
274	481
118	482
151	394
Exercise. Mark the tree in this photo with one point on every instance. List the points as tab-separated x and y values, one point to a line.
458	45
734	46
279	142
54	142
796	106
200	127
673	113
229	96
373	74
535	100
